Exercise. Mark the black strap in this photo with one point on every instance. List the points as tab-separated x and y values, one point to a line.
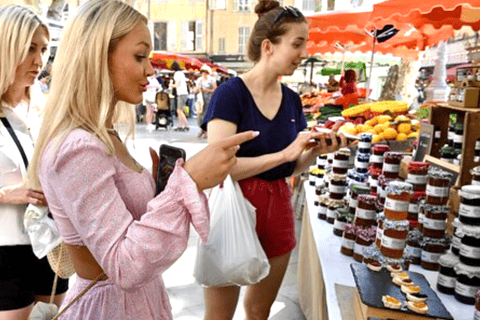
15	139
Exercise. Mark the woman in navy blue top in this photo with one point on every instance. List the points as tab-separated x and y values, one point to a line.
257	101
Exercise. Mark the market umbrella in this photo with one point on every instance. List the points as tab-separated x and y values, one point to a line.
215	67
164	60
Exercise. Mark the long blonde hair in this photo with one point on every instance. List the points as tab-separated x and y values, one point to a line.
18	25
81	92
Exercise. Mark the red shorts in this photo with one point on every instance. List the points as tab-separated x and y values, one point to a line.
275	218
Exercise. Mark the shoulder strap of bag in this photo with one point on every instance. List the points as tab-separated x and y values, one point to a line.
7	125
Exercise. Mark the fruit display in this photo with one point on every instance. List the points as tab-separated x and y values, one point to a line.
377	108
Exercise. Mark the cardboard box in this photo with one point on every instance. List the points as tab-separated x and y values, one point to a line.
464	96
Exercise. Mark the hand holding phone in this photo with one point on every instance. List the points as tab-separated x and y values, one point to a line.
168	157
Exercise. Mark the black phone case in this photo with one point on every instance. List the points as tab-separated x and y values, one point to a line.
168	156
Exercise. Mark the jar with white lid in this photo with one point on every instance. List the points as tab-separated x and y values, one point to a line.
470	247
447	277
456	238
469	211
467	284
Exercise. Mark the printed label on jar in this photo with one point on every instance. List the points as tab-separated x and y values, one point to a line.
396	205
438	134
353	203
360	164
376	159
448	282
392	243
413	251
338	225
469	211
336	189
431	257
387	167
319	181
470	252
340	163
451	135
365	214
321	162
456	242
348	243
437	191
417	178
458	138
359	249
364	145
331	213
421	216
322	210
466	291
413	207
433	224
312	178
372	182
476	315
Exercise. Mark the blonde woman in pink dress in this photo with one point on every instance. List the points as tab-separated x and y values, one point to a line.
101	199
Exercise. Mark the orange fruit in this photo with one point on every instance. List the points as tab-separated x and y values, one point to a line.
372	122
413	135
377	138
360	128
401	118
390	134
401	136
371	131
383	119
404	128
378	128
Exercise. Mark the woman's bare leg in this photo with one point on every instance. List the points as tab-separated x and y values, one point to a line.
220	303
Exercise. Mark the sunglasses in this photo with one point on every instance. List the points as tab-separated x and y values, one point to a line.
288	11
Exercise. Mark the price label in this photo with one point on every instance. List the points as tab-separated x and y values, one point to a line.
392	243
434	224
366	214
470	252
448	282
469	211
437	191
416	179
396	205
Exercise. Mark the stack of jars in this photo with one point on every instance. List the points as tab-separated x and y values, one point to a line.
342	217
391	164
364	238
356	189
377	153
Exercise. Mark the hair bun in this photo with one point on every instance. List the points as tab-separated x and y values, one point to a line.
263	6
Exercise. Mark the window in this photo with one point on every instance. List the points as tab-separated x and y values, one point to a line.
172	36
242	5
331	5
184	35
243	33
308	5
356	3
160	36
199	35
191	35
221	45
217	4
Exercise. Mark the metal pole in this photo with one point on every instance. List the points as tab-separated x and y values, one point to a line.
371	65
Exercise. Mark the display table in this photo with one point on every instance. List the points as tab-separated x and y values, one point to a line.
321	266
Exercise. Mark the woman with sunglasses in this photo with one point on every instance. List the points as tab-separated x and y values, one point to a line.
257	100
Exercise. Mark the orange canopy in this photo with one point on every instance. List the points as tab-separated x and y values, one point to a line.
164	60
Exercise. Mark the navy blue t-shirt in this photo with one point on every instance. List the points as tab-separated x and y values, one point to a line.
233	102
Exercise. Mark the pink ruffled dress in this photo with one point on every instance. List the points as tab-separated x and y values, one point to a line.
99	202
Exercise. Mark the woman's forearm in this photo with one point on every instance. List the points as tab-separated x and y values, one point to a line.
305	160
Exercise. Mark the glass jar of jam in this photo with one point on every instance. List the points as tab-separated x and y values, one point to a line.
364	238
391	164
456	238
365	142
341	161
356	190
379	230
447	277
414	205
470	245
366	211
438	187
337	186
468	283
475	172
432	249
458	137
418	175
469	212
319	178
312	175
447	154
397	200
323	207
378	150
412	247
373	178
421	214
348	239
435	221
333	205
394	238
373	256
322	161
340	220
362	161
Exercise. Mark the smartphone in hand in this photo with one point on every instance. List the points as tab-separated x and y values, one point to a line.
168	156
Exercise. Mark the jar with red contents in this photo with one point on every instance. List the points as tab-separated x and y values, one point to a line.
337	186
333	205
469	212
438	187
382	188
373	178
418	175
414	205
470	245
412	247
432	250
355	191
475	172
397	200
394	238
323	207
379	230
341	160
378	150
366	211
364	239
447	277
435	220
467	284
348	239
391	164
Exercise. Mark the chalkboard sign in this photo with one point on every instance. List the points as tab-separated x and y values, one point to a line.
425	139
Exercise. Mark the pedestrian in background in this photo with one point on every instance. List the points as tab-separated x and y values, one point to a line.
207	85
180	84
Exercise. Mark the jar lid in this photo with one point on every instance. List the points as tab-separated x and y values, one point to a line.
398	225
373	253
417	195
344	152
337	177
374	171
436	208
380	148
470	191
468	271
456	223
366	137
323	156
399	187
475	171
448	260
350	228
469	231
414	236
366	198
396	156
417	165
363	157
383	181
436	173
360	188
445	241
367	234
312	169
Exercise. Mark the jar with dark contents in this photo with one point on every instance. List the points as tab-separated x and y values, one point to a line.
414	205
329	158
341	160
312	175
337	186
333	205
364	239
394	238
438	187
355	191
379	230
458	137
341	219
447	277
366	211
421	214
382	188
397	200
412	247
456	238
447	154
435	221
348	239
467	284
432	249
362	161
469	211
373	178
475	172
470	245
323	207
376	158
322	161
391	164
418	175
365	142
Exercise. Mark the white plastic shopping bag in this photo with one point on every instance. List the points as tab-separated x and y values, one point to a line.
233	254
